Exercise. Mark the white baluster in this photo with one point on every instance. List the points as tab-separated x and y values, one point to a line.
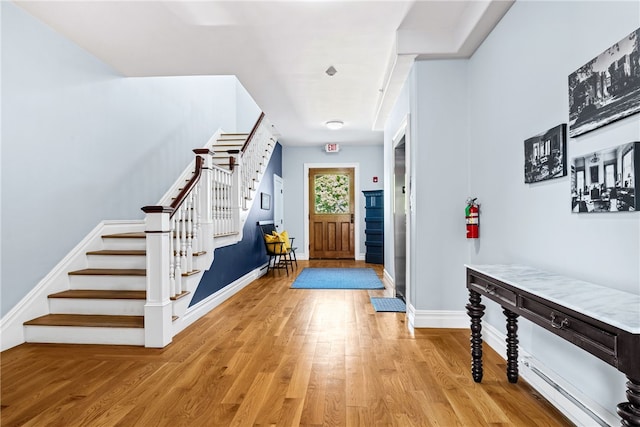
189	231
178	270
172	259
197	245
214	201
183	242
227	223
216	205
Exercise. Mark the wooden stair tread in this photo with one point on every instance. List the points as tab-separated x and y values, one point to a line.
100	321
180	295
190	273
231	233
118	252
131	235
110	272
100	294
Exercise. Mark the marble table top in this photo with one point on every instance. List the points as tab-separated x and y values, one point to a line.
617	308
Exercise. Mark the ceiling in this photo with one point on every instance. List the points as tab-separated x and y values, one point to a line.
279	50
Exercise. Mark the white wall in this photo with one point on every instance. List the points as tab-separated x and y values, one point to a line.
517	89
440	184
81	144
435	94
370	160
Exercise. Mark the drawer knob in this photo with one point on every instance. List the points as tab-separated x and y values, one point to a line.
554	322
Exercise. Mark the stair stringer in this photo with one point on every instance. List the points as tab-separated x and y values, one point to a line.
36	302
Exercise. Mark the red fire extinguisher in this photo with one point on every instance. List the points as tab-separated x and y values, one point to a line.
472	216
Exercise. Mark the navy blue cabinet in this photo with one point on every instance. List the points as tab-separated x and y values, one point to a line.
374	226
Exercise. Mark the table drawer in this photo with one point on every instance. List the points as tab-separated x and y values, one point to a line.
590	337
497	293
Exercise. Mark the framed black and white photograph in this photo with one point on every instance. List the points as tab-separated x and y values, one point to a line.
265	201
606	181
607	88
545	155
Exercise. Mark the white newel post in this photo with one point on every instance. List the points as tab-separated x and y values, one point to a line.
204	202
236	193
158	310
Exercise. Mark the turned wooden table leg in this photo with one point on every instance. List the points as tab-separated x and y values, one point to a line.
475	310
630	411
512	345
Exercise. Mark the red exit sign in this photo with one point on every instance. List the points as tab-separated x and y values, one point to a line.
332	148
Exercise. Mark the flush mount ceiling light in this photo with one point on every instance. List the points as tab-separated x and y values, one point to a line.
334	124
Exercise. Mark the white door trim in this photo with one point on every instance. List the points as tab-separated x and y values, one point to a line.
358	253
404	131
278	203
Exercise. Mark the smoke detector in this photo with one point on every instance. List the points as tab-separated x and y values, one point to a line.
331	71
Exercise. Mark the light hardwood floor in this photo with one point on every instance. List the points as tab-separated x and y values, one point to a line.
273	356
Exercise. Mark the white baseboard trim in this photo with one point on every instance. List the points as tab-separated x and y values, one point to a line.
212	301
35	303
387	277
388	281
361	257
411	317
439	319
577	407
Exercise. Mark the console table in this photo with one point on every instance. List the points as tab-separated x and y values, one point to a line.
602	321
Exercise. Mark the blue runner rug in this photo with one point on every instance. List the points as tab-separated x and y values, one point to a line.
388	304
337	278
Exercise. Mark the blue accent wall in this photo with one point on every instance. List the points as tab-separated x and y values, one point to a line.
232	262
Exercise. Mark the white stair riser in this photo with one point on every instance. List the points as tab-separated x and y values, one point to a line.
226	240
203	262
117	261
123	283
181	305
222	147
124	244
84	335
113	307
226	137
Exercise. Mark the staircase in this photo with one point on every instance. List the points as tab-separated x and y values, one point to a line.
105	301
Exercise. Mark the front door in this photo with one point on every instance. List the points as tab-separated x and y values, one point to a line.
331	211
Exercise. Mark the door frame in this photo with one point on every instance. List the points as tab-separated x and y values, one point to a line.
404	131
278	202
358	254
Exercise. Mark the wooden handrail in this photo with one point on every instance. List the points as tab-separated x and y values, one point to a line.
253	132
180	198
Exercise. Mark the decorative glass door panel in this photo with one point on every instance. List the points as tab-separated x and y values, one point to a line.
331	198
